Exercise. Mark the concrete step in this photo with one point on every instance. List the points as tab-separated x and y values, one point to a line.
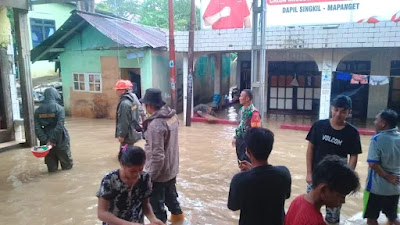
5	135
10	145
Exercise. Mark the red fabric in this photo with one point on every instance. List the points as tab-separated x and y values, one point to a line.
239	11
255	119
302	212
359	79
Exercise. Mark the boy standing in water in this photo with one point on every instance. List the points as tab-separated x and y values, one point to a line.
333	136
332	181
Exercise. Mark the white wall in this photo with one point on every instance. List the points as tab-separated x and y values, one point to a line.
350	35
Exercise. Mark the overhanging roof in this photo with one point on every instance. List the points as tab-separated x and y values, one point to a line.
126	34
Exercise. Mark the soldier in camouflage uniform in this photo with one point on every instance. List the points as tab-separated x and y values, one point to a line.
246	113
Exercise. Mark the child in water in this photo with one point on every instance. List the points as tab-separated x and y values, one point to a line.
124	193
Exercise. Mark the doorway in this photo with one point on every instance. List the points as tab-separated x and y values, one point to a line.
357	92
133	74
245	75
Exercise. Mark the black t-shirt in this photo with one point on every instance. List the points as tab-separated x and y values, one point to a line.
260	195
328	141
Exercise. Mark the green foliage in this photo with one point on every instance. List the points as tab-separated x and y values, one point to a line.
152	12
233	56
10	15
122	8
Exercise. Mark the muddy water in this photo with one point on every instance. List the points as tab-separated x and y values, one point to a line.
29	195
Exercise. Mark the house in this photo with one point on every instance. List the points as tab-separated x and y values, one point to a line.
95	51
43	21
304	65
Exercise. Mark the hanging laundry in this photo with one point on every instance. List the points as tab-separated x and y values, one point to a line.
309	81
359	79
378	80
343	76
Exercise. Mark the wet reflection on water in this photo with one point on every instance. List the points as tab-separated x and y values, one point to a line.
232	113
29	195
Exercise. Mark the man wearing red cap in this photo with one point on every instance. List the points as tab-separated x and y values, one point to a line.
129	114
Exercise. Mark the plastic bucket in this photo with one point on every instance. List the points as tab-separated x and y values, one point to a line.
40	151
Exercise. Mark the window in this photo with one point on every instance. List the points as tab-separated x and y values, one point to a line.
89	82
41	29
394	91
287	93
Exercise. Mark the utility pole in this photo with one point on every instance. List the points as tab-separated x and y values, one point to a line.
172	74
190	64
258	55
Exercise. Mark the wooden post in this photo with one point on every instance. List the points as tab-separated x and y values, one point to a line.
190	64
22	38
5	68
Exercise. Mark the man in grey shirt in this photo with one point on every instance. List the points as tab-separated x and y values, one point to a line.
382	188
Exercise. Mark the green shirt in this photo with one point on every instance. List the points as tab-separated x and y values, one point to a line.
245	120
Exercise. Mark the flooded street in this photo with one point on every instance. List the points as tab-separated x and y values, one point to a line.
29	195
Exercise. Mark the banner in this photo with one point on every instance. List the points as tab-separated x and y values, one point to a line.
229	14
317	12
225	14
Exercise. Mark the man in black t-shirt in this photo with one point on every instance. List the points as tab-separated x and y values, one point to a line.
260	192
333	136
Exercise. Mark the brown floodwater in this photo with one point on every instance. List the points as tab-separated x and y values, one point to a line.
29	195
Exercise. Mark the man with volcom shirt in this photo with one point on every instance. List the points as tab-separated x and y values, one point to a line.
333	136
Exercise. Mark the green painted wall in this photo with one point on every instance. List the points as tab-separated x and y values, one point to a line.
82	54
89	61
204	78
203	83
54	11
89	39
161	79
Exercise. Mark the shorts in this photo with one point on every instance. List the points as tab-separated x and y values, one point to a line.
374	204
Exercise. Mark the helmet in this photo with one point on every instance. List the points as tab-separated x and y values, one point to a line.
123	85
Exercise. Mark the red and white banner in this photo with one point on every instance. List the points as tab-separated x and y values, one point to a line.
318	12
228	14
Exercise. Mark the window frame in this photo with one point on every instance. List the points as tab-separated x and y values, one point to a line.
87	82
45	23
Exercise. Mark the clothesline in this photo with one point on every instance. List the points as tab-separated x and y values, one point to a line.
362	79
366	74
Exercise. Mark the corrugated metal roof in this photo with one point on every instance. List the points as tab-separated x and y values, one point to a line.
124	33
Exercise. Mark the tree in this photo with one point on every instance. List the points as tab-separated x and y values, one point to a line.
152	12
122	8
